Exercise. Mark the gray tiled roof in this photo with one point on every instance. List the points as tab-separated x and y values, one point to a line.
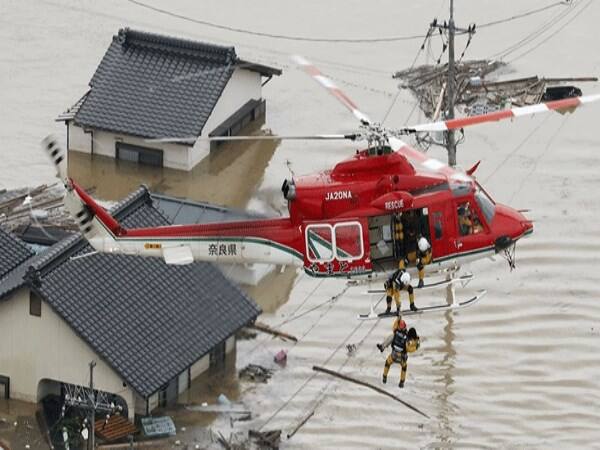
181	211
148	320
155	86
12	252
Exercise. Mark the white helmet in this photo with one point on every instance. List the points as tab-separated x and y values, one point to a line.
423	244
405	278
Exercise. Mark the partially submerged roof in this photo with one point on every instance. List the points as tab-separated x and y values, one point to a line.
13	252
181	211
148	320
154	86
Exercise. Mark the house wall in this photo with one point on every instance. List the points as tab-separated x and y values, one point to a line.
243	86
79	140
175	156
38	348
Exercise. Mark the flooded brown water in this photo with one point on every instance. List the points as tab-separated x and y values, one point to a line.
520	369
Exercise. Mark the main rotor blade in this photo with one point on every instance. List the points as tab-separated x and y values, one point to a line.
562	106
320	137
312	70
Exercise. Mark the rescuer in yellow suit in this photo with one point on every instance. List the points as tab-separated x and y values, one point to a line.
399	240
402	343
423	258
398	281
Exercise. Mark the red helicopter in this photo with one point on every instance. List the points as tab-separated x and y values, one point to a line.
341	221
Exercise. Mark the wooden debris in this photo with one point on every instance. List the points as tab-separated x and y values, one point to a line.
301	424
41	205
256	373
116	428
474	94
267	329
369	385
266	439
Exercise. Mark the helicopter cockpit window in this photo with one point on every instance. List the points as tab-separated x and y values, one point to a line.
486	205
319	243
460	189
468	220
348	241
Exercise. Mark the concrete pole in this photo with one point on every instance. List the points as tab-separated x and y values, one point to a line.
450	141
92	399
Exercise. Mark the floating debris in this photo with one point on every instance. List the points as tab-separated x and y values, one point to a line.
475	94
281	358
256	373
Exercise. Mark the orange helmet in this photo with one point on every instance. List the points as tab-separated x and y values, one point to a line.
400	324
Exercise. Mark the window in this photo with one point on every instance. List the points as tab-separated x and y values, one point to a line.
468	220
437	224
35	305
348	241
319	243
142	155
486	205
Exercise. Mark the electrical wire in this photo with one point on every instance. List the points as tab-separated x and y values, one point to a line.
586	6
521	15
276	36
323	39
535	33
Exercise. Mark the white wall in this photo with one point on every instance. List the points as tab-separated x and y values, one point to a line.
200	366
175	156
35	348
79	140
243	86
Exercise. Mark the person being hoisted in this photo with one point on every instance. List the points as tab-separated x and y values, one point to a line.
423	258
398	281
403	343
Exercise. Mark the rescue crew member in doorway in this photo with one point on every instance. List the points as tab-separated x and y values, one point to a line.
403	343
423	258
410	236
399	240
398	281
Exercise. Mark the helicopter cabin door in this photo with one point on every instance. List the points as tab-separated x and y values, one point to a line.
336	248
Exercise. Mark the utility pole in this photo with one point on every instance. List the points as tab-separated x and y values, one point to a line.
451	28
92	399
450	142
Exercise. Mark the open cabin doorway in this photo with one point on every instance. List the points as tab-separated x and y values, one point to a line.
393	237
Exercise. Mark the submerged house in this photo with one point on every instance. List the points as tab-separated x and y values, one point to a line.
151	328
154	98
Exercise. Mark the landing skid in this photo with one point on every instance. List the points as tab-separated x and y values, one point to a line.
464	279
426	309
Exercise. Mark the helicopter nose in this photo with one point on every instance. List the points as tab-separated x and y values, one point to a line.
527	227
513	223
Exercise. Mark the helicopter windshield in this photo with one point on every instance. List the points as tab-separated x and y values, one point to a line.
486	204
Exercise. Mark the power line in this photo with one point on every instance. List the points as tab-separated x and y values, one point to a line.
323	39
272	35
535	33
553	34
520	16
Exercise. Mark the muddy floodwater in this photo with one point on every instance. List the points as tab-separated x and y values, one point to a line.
521	369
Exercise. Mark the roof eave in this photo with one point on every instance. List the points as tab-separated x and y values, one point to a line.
265	71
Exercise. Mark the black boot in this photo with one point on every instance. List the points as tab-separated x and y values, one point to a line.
380	347
384	379
401	384
413	307
421	283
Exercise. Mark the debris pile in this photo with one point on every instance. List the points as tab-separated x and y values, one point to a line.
255	373
41	205
474	94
